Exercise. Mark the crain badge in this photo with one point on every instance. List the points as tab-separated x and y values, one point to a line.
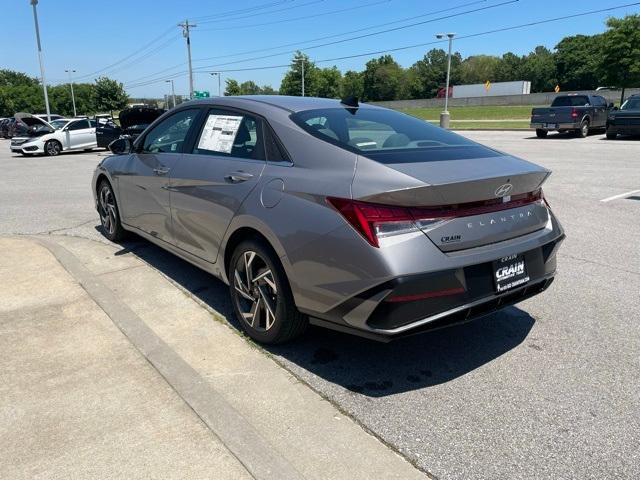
451	238
503	190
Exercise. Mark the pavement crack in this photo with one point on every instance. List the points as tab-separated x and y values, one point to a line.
586	260
62	229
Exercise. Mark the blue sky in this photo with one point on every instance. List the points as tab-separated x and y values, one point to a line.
89	36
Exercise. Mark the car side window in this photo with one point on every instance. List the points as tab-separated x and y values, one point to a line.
230	134
169	135
79	125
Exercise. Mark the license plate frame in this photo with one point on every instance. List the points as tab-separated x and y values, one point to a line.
551	125
510	272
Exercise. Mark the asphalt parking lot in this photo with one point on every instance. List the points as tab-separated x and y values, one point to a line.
547	389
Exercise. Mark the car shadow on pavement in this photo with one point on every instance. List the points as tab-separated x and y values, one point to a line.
363	366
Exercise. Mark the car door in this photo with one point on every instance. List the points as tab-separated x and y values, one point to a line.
106	132
144	182
79	134
600	111
209	183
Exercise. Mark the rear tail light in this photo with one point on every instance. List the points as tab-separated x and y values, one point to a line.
375	221
574	113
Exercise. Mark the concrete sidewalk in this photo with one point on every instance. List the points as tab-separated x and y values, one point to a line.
111	371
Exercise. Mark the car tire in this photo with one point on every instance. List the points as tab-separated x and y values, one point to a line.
583	131
540	133
52	148
611	134
261	295
109	213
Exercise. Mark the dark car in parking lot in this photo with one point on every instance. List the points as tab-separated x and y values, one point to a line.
133	121
626	120
576	113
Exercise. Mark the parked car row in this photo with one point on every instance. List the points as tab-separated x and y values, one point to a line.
33	134
583	114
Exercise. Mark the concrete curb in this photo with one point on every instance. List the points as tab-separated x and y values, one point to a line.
320	441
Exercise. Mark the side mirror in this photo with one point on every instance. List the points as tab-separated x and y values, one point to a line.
615	108
121	146
611	105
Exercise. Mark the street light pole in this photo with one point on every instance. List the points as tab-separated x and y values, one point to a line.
73	97
173	92
218	74
444	116
302	60
44	82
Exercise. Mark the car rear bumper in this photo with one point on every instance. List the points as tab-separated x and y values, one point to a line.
437	299
552	126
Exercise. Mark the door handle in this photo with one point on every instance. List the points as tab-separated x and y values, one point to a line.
161	171
239	176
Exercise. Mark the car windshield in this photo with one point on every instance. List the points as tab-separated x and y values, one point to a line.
387	136
573	101
631	104
58	124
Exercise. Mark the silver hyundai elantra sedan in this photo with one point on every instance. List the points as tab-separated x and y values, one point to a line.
345	215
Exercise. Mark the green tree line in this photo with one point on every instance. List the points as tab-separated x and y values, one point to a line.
21	93
578	62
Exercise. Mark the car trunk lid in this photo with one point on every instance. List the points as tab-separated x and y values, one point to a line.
463	202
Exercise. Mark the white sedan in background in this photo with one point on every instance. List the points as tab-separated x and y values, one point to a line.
53	137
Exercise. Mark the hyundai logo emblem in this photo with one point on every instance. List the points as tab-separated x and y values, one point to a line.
504	190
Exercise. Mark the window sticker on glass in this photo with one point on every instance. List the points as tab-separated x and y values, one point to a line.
219	133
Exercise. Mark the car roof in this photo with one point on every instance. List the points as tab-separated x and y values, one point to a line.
290	103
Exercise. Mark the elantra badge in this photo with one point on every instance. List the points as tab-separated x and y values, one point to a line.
504	190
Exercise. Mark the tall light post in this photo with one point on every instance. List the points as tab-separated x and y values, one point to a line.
44	82
73	97
173	92
302	64
217	74
444	116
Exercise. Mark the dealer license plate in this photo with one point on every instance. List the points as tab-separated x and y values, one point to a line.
510	272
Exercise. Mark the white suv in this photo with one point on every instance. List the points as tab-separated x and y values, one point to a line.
53	137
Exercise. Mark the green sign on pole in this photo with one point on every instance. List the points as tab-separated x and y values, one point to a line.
200	94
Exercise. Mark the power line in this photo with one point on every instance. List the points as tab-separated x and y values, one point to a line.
312	2
407	47
241	11
366	35
158	38
325	37
206	67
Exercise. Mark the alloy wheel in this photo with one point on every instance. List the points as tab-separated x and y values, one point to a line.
255	291
53	148
107	209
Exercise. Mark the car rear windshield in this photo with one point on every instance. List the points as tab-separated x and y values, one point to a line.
388	136
573	101
631	104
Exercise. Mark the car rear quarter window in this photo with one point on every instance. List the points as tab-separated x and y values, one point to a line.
571	101
388	136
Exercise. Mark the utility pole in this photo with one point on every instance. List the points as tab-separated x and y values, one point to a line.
444	116
302	60
173	92
218	74
186	34
44	82
73	97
